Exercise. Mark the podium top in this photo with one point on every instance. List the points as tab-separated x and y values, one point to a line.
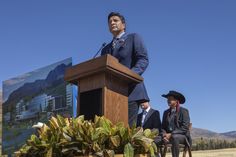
107	64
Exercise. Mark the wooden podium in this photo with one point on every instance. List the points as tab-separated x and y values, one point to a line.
102	88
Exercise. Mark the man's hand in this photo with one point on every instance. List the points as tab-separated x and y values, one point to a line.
167	137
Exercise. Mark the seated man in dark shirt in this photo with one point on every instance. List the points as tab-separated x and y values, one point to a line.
175	122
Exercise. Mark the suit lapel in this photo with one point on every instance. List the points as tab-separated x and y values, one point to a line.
139	120
148	115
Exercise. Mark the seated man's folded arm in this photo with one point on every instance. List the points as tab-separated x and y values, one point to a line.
184	125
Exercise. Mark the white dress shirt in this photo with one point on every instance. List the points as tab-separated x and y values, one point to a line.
145	111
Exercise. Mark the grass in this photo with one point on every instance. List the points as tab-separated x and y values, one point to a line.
212	153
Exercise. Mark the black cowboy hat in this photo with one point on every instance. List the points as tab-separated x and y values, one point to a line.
176	95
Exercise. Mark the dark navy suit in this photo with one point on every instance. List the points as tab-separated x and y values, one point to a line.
151	121
131	52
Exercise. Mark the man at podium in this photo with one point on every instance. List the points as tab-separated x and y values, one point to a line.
129	49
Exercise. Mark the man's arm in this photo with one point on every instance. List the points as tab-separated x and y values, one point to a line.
163	124
140	56
157	121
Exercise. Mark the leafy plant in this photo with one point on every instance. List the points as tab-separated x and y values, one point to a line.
76	136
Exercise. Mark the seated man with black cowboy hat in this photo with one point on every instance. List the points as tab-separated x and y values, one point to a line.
175	122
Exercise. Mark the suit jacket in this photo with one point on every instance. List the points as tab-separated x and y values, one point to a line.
131	52
151	121
182	122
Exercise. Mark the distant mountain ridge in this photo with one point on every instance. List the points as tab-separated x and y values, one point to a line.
203	133
230	134
54	77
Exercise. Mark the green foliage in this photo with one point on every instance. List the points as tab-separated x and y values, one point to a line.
76	136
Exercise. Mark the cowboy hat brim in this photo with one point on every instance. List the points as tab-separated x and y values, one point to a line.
176	95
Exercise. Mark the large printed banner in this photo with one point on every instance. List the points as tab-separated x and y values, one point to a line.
33	97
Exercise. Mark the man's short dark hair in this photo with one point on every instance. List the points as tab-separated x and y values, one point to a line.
122	18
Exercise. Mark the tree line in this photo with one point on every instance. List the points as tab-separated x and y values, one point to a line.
210	144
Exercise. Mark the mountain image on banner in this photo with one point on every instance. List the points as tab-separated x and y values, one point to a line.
34	97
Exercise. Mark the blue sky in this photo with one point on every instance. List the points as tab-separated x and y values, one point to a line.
191	46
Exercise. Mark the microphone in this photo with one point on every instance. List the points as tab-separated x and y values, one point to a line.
103	45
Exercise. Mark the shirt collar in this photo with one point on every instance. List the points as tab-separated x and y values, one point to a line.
147	110
120	35
173	110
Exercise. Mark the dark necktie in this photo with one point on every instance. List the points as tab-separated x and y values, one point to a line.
144	116
114	43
